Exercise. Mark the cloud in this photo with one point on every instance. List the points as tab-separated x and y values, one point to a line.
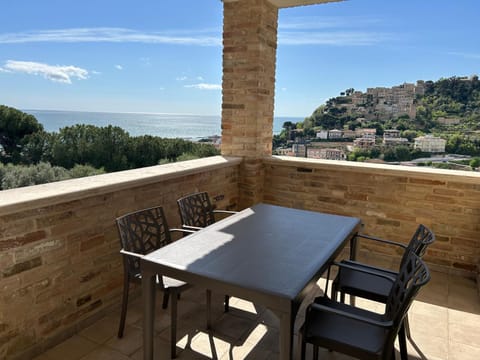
119	67
203	86
114	35
181	78
331	38
331	31
55	73
199	78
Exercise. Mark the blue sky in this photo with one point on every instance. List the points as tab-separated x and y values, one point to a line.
165	56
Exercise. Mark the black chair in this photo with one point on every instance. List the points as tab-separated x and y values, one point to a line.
360	333
197	212
142	232
369	286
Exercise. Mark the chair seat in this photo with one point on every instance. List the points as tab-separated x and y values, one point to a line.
362	284
356	338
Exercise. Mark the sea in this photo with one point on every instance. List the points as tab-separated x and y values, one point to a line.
185	126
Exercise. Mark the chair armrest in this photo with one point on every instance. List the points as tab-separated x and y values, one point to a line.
129	253
224	212
371	267
321	307
191	228
366	270
373	238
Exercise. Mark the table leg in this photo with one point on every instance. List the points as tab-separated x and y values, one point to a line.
148	293
287	321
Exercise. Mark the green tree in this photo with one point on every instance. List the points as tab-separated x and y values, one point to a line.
14	126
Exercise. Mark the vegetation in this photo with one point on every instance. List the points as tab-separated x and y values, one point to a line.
31	155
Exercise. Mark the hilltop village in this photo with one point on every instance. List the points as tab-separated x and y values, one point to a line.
414	124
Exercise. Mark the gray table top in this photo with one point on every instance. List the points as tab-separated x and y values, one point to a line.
267	248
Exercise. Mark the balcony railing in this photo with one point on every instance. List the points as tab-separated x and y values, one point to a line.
59	263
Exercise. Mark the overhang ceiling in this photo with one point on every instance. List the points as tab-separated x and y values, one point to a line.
292	3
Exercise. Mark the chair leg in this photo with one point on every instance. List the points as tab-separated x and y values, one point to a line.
303	347
123	315
165	299
403	343
407	328
226	303
315	352
173	326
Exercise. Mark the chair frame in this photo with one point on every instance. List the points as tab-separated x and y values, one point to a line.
418	244
141	232
412	276
196	212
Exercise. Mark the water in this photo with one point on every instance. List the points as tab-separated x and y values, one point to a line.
136	124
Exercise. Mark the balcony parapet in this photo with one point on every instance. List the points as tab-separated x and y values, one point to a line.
37	196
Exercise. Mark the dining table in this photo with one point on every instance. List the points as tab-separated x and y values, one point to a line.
267	254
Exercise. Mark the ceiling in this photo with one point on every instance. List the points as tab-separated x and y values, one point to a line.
292	3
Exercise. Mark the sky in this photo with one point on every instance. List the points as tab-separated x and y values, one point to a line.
165	56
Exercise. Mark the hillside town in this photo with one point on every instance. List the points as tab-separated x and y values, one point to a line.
343	127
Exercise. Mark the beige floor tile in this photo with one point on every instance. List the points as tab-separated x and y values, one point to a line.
463	317
464	299
73	348
208	345
41	357
468	334
102	330
129	343
234	327
463	352
104	353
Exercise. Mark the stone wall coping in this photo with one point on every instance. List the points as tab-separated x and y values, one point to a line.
383	169
37	196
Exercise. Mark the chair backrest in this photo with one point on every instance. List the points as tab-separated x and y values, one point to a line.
421	239
196	210
412	276
142	232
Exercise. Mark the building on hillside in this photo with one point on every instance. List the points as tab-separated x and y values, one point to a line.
364	143
327	154
391	137
366	133
335	134
430	143
322	134
349	134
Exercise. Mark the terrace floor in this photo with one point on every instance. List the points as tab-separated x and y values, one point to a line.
444	320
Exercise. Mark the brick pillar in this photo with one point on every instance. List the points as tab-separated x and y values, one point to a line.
249	56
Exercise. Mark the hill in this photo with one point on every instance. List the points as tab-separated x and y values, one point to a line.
426	106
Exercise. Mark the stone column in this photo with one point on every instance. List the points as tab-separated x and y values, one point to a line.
249	56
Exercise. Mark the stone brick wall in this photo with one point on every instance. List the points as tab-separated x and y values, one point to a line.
249	56
59	251
391	201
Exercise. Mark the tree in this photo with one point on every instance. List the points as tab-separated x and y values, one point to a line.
14	126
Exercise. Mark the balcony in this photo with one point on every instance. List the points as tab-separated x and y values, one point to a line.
61	273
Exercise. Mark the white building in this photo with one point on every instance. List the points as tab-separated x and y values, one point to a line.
322	134
430	143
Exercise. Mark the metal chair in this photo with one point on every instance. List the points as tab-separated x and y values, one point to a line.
142	232
350	280
360	333
197	212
